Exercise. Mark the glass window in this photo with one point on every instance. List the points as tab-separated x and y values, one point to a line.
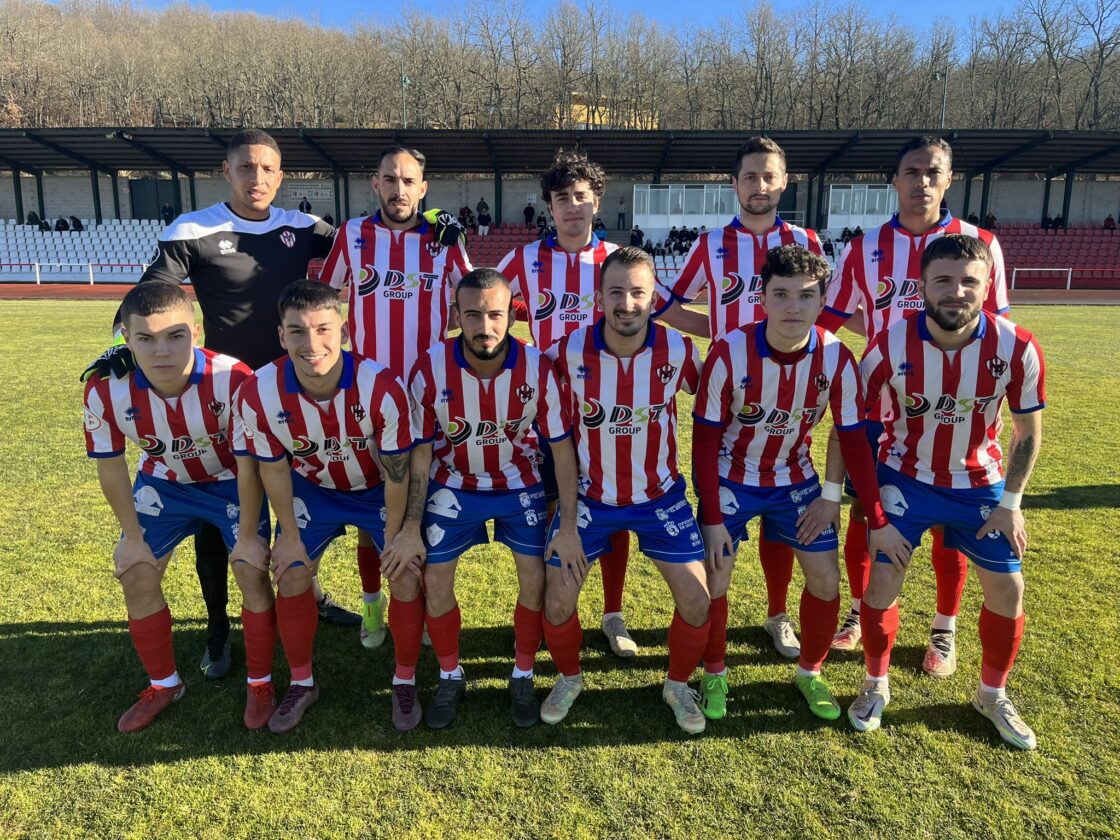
641	200
859	195
711	199
840	200
729	202
676	199
694	199
658	200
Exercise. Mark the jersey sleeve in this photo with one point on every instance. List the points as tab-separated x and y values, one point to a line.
235	431
258	439
842	296
662	299
424	419
1027	390
690	376
336	270
459	264
875	371
693	278
846	393
998	301
174	259
553	417
713	397
322	239
103	438
393	430
510	268
813	242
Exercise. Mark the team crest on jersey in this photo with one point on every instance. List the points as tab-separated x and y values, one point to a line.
225	248
996	367
216	407
132	414
283	417
358	412
288	238
525	393
821	381
665	373
433	248
593	414
458	430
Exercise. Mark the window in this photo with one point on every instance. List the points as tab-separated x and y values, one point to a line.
658	199
840	200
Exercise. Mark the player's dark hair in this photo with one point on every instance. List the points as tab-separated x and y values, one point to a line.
389	151
482	278
150	298
757	146
308	296
792	261
569	166
926	141
251	137
628	256
955	246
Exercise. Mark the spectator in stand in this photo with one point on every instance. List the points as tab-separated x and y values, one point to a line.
76	224
529	213
648	247
167	212
637	237
328	218
1109	223
622	214
857	232
305	205
990	221
1059	222
484	219
973	219
828	249
45	225
480	208
846	236
61	224
542	223
33	218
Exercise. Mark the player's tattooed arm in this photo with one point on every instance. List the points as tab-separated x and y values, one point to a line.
405	550
396	466
1026	442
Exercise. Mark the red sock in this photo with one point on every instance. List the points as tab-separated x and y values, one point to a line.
879	629
297	617
856	559
151	636
527	634
777	568
716	650
818	625
950	568
260	641
999	644
612	565
563	642
686	646
369	568
443	630
406	623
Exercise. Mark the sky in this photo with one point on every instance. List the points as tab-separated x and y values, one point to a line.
340	13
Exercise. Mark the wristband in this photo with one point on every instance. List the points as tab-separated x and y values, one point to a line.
1010	500
832	492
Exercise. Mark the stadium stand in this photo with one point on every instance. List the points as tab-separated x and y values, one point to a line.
1081	257
487	251
113	252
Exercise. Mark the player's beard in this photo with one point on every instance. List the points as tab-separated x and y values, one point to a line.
765	208
628	330
949	321
397	214
487	355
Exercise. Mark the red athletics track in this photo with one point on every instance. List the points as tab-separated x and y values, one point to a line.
110	291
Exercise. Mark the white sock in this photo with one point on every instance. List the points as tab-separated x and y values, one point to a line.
457	674
371	597
307	683
673	683
398	681
881	682
267	678
990	692
607	615
708	673
518	674
802	672
945	622
855	604
168	682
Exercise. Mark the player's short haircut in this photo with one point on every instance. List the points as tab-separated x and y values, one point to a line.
483	278
757	146
956	246
926	141
389	151
152	298
251	137
569	166
627	256
794	261
308	296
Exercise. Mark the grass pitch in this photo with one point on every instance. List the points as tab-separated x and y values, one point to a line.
618	766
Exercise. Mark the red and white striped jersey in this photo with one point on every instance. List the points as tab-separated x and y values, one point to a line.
768	409
486	432
559	287
624	411
941	409
879	271
190	438
400	288
728	263
335	443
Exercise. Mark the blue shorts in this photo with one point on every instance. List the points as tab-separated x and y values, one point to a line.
914	507
779	508
170	511
872	428
323	514
666	528
455	520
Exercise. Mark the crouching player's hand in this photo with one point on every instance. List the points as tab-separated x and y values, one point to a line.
406	553
289	551
252	550
131	552
887	540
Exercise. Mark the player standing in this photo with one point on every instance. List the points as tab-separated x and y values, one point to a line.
727	264
942	377
400	268
557	278
343	420
878	273
623	374
762	390
177	406
484	402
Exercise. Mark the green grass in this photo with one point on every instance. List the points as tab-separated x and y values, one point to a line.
619	765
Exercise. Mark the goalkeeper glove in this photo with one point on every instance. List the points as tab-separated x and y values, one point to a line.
448	231
117	361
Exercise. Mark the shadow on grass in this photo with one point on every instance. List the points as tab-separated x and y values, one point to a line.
1077	497
65	684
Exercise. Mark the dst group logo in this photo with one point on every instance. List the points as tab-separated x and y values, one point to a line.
621	420
395	285
777	421
903	294
571	307
733	286
948	409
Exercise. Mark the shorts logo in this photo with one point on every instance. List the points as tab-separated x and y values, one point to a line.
147	501
303	515
525	500
593	414
531	517
303	447
894	502
821	381
996	367
985	512
435	535
796	496
434	249
444	503
225	248
458	430
216	408
288	238
92	422
728	504
525	393
665	373
232	511
152	445
583	516
358	412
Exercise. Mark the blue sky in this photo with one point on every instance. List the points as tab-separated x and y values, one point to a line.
341	12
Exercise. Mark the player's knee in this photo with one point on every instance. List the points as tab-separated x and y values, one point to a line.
823	580
693	605
140	579
558	606
1003	594
439	590
295	581
406	587
252	582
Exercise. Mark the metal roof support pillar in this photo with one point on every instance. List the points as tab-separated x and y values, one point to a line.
176	193
337	200
346	193
808	200
820	203
95	187
967	195
194	197
39	191
115	182
1046	201
497	197
17	190
985	194
1067	198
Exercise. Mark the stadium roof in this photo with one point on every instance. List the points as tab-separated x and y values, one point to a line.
620	152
